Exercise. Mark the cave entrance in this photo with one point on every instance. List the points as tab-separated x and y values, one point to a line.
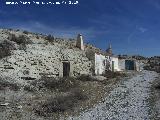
66	69
129	65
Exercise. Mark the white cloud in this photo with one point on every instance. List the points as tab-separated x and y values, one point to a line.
142	29
137	29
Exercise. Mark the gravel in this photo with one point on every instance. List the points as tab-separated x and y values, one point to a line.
127	101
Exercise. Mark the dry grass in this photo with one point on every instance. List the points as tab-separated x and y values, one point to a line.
84	77
110	74
72	95
66	96
69	95
157	85
5	84
60	103
153	66
154	99
54	84
29	88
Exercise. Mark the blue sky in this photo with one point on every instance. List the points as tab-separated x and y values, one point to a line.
131	26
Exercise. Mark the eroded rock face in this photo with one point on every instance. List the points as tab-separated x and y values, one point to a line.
43	58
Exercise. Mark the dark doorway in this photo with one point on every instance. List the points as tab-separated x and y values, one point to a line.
113	66
129	65
66	69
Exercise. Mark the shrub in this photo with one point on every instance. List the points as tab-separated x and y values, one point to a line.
25	32
84	77
152	67
12	86
37	37
111	74
29	88
5	49
22	39
50	38
158	87
22	46
61	84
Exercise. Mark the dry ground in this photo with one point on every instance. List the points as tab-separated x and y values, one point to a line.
45	99
128	100
155	99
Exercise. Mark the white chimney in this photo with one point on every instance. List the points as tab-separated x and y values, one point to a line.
79	42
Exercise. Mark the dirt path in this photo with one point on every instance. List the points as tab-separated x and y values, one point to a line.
128	101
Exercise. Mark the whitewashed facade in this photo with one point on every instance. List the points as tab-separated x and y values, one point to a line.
103	63
114	64
99	64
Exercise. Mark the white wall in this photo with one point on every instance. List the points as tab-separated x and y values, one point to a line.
116	66
99	64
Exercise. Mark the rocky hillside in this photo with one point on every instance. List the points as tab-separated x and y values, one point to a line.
31	82
27	56
153	64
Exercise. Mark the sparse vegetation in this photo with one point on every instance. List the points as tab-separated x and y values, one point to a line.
25	32
111	74
29	88
60	84
22	39
12	86
61	103
37	37
49	38
153	64
71	87
84	77
5	49
157	84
